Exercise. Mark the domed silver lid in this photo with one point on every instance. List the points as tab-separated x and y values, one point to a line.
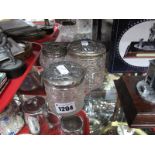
86	47
64	74
54	49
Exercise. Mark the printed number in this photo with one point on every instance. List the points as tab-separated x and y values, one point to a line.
67	108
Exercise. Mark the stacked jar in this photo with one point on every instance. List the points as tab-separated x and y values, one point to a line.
52	52
64	86
91	55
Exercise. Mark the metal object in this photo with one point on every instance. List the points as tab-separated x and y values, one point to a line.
8	48
86	48
72	125
146	88
34	110
48	27
13	65
64	74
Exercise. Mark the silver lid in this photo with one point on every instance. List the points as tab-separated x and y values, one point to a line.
54	49
86	47
34	105
64	74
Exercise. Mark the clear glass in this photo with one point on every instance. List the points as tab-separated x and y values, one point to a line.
37	119
45	61
37	123
10	121
95	70
65	101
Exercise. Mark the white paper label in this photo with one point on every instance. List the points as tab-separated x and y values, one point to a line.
62	69
84	43
65	107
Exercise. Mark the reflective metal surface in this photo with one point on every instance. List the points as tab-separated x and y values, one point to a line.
64	74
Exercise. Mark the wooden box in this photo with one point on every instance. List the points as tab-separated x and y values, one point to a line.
139	113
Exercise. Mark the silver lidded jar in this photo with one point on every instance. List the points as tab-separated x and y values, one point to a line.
35	114
64	86
91	55
52	52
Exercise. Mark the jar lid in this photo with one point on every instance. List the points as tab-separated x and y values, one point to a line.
54	49
33	105
64	74
86	47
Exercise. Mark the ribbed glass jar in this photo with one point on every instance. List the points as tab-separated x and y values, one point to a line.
52	52
91	55
64	86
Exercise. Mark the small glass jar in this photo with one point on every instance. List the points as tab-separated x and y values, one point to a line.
91	55
72	125
10	121
35	114
64	86
52	52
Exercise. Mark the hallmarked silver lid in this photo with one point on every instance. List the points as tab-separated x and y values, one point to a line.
54	49
64	74
86	48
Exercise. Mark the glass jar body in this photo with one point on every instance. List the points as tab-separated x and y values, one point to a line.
95	67
65	101
45	61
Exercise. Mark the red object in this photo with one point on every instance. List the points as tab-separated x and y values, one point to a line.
153	129
14	84
24	130
51	37
86	129
57	131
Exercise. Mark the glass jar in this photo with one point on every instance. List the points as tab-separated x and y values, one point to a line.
91	55
35	114
52	52
64	86
11	122
72	125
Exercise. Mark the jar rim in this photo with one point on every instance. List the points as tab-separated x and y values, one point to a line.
86	48
54	49
71	75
